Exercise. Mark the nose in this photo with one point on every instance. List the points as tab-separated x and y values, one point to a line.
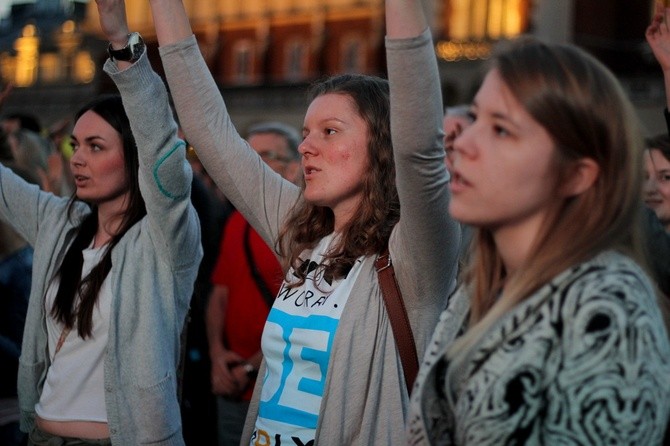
77	158
464	144
306	148
649	186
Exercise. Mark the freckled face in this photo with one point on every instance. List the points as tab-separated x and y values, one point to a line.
98	162
503	165
334	155
657	185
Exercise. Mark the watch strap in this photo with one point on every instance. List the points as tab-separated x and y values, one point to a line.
129	53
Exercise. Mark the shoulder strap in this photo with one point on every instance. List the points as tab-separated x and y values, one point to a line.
395	307
260	284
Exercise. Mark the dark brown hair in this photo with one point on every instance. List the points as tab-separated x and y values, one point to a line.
66	309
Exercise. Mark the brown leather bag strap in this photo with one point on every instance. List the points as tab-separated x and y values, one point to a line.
395	307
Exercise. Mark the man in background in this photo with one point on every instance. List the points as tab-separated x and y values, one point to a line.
245	281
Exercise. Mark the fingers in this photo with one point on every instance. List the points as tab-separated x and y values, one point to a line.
227	384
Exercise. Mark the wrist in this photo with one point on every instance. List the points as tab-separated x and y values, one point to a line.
216	350
119	40
249	369
129	49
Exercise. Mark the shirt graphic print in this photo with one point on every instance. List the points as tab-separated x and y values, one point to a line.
296	343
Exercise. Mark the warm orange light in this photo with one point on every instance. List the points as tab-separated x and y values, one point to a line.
473	24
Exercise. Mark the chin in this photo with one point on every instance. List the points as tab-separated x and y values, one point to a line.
312	199
469	218
460	215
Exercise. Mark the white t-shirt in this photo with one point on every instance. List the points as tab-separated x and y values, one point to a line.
74	387
296	343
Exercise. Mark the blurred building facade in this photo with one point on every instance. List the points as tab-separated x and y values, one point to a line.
264	53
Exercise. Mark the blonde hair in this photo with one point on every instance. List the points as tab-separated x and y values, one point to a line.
587	114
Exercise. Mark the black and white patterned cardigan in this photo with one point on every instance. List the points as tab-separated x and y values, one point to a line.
584	361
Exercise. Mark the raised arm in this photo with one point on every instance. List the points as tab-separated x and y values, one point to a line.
426	234
404	19
171	21
658	37
261	195
164	175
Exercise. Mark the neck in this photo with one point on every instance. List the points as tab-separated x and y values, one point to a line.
514	246
514	240
109	224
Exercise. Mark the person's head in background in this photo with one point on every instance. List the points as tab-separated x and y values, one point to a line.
31	151
549	171
16	121
277	144
456	119
657	177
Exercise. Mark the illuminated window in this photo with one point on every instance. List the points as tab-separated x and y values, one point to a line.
51	69
27	57
353	55
243	61
84	67
297	59
8	67
471	25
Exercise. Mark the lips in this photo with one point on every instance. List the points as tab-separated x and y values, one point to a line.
653	203
80	180
458	182
309	171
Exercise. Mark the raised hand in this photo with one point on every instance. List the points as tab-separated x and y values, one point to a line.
658	36
113	21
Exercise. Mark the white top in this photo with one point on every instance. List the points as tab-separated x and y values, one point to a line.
297	342
74	387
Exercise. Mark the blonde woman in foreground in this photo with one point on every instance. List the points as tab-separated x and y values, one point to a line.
560	336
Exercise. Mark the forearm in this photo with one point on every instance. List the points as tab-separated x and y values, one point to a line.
421	176
237	170
404	18
216	310
171	21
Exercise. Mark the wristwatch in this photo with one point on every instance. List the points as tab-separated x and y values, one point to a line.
250	370
129	53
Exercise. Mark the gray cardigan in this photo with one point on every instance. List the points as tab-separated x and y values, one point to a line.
585	360
153	269
365	400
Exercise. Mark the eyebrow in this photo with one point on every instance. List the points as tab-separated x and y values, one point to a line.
88	139
327	120
500	116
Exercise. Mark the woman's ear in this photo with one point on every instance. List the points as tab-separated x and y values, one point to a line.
583	174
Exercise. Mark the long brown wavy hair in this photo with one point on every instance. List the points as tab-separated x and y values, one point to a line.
379	210
587	114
